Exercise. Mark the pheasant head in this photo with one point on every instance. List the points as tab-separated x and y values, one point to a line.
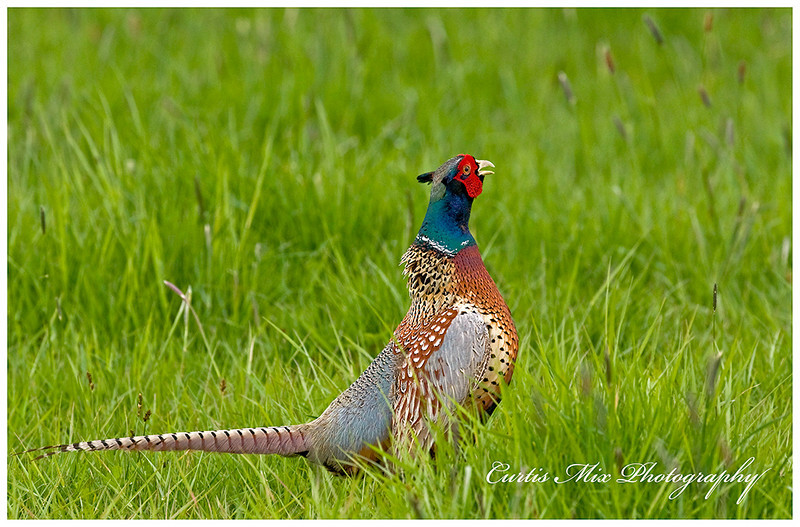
454	186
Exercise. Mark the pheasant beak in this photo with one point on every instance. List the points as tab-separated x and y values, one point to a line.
484	164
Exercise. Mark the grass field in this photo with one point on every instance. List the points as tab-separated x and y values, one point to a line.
267	160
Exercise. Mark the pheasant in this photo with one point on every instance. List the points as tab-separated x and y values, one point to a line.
452	352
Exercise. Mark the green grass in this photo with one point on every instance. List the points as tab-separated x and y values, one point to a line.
266	159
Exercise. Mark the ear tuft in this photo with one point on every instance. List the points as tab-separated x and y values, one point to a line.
427	177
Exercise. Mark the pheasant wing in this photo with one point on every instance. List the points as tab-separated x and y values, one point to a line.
441	378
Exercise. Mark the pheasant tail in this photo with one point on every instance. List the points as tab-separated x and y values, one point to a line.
282	440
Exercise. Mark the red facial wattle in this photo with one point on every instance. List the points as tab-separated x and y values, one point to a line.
474	185
468	175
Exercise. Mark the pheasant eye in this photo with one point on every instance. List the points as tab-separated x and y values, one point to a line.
466	169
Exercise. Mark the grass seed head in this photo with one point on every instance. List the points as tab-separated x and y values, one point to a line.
620	127
725	452
714	299
566	87
730	134
586	380
654	30
704	96
741	71
619	459
609	61
708	22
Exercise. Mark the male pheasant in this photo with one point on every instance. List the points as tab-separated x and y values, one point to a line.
453	350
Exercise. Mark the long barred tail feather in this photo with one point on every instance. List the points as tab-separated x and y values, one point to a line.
282	440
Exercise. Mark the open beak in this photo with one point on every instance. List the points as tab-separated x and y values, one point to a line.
482	164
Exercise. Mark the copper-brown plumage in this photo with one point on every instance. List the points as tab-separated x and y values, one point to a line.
441	288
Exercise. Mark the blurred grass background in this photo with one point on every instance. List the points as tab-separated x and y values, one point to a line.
266	159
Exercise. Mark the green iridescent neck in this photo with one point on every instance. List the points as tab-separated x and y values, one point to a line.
446	224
